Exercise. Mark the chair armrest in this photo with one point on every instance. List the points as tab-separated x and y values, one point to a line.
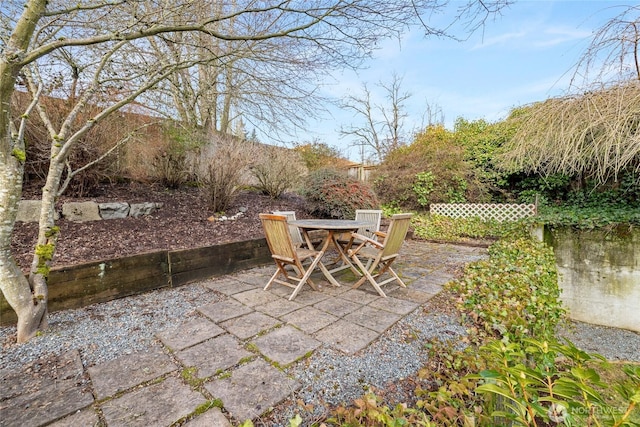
365	240
380	234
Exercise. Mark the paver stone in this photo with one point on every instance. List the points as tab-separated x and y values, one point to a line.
309	319
346	336
255	297
373	318
160	404
228	286
224	310
212	418
190	333
394	305
278	308
84	417
44	391
128	371
214	355
250	324
286	345
252	389
337	306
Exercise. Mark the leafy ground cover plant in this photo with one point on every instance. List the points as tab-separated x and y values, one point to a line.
514	294
540	383
442	228
590	217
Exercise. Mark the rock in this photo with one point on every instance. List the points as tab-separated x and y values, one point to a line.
141	209
81	211
29	211
114	210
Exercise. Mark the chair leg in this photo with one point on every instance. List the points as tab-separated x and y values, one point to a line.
367	276
305	279
273	278
393	273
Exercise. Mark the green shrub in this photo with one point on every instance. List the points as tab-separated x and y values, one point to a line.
432	169
422	187
482	141
514	294
332	194
442	228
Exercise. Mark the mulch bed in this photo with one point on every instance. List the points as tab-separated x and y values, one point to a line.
185	221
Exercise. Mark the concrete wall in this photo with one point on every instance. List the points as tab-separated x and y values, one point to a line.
599	274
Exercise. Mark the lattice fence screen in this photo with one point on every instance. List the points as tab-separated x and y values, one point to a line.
498	211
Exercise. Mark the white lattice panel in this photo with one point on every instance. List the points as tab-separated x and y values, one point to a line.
497	211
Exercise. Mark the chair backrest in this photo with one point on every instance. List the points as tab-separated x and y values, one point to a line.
296	236
396	233
276	230
373	217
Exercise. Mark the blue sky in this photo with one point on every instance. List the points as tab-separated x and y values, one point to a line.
523	56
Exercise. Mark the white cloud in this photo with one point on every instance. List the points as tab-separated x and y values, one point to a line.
554	36
502	39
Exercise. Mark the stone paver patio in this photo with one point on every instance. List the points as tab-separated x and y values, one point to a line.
232	353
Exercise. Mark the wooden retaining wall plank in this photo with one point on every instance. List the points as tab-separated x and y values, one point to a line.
84	284
91	283
196	264
101	281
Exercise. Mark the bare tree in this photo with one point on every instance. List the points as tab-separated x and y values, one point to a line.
381	124
612	56
432	116
594	131
40	38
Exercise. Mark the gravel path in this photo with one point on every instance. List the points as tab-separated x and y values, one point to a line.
103	332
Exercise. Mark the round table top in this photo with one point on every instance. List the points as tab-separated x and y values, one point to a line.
329	224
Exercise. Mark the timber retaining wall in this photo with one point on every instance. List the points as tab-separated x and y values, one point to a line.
100	281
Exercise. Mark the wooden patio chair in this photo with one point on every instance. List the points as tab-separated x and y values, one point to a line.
296	236
379	255
285	253
373	217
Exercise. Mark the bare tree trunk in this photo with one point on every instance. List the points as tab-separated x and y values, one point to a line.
30	304
225	118
48	234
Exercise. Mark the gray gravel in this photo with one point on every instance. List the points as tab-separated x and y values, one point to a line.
103	332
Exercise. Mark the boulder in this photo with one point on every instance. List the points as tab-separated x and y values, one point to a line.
29	211
114	210
81	211
141	209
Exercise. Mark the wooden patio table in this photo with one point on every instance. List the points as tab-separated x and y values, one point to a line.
333	227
